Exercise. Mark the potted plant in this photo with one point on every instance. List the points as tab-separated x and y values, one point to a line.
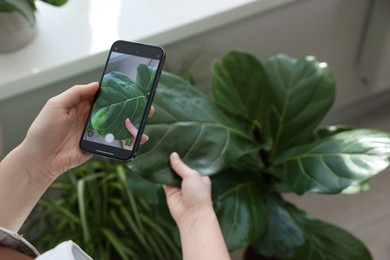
95	206
17	22
258	138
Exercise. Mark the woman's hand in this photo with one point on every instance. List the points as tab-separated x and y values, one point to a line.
193	196
53	138
192	209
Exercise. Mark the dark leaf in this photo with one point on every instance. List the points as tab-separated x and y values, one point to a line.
188	122
303	92
283	235
240	206
240	85
325	241
332	164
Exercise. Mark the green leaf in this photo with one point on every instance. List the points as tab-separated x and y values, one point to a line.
283	235
248	162
24	7
324	241
149	191
332	164
303	92
56	2
145	77
239	203
119	98
115	242
188	122
240	85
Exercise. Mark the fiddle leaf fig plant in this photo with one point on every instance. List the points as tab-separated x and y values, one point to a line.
258	137
26	8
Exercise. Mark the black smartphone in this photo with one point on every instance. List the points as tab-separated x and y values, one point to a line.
119	112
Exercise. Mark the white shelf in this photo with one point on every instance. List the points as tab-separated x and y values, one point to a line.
75	38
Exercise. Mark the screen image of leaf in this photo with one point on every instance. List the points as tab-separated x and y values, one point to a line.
119	98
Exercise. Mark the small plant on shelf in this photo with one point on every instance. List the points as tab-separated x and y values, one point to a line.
26	8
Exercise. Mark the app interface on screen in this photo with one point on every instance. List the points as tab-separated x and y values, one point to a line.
119	107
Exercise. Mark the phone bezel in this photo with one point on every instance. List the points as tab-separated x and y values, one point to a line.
136	49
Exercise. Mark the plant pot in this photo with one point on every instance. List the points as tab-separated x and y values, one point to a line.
15	31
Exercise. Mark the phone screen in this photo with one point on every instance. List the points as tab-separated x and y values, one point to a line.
121	106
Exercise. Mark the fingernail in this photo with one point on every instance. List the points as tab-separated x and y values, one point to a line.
146	137
175	154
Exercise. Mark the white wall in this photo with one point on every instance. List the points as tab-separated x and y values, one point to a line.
331	30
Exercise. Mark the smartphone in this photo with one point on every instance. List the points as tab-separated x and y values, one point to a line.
121	106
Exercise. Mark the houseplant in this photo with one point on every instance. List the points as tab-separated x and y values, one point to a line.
95	206
17	22
258	138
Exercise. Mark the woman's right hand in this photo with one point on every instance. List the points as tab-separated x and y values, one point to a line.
193	196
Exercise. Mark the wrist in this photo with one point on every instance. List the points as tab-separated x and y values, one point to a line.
22	183
197	216
38	172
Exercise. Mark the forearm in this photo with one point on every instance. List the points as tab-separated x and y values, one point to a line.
22	182
202	238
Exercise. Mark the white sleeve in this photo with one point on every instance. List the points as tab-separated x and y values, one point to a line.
65	251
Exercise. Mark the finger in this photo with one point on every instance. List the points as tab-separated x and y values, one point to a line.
144	138
180	167
76	94
207	181
151	111
131	128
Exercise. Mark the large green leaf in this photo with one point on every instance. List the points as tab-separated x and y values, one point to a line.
283	235
240	85
188	122
324	241
119	98
334	163
239	202
303	91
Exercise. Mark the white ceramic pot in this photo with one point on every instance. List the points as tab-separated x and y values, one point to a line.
15	31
